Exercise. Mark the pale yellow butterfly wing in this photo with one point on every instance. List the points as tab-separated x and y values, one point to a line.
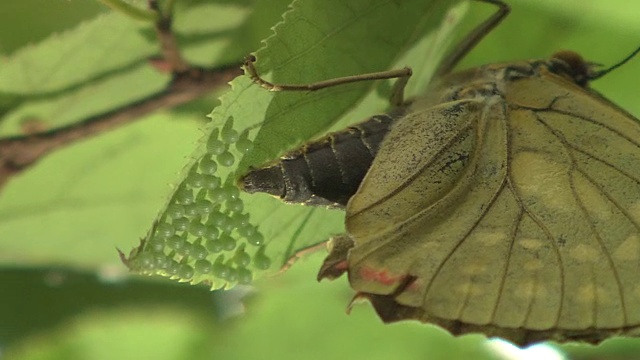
514	212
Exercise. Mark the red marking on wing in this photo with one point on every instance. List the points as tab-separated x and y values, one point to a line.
342	265
381	276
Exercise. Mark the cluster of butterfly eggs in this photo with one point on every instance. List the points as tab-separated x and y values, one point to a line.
199	234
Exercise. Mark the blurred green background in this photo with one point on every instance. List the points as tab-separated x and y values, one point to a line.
64	294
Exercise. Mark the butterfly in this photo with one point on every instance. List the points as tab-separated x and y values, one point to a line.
506	202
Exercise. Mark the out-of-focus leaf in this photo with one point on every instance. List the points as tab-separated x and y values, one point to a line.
94	49
69	293
290	317
77	205
80	203
21	22
103	64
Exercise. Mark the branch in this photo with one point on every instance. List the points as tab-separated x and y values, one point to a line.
19	152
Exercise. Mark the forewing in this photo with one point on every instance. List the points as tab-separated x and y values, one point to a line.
424	156
426	224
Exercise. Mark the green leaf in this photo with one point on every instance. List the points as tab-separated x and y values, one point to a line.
312	43
329	40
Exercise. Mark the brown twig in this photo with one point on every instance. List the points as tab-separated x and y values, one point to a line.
19	152
168	45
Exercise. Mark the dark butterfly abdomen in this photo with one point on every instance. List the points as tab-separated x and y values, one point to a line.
326	172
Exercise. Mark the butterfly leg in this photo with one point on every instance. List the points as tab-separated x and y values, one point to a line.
336	262
397	96
328	171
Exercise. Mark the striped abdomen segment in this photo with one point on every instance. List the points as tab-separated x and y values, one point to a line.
326	172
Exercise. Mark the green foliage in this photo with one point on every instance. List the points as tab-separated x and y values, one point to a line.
76	205
305	47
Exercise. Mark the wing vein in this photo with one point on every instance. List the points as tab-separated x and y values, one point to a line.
415	175
603	125
482	214
612	200
514	232
604	249
603	161
583	209
549	237
473	227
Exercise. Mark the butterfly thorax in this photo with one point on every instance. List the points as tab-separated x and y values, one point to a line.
482	83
